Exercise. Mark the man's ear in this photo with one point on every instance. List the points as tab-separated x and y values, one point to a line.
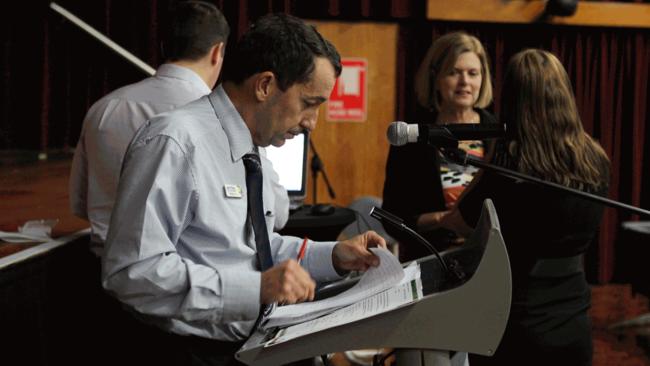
265	84
217	53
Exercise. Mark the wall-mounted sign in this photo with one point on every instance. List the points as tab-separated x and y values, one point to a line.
348	101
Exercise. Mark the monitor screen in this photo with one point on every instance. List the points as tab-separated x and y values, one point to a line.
290	162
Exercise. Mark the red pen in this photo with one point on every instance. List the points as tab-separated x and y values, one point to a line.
301	253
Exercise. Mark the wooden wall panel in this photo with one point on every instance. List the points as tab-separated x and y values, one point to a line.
354	153
588	13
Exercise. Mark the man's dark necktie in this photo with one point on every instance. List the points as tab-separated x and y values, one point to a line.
256	214
256	210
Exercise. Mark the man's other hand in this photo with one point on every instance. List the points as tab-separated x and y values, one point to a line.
353	254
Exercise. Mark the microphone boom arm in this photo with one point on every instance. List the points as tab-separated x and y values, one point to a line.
459	156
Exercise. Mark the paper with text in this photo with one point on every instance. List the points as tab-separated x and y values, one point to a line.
374	280
407	291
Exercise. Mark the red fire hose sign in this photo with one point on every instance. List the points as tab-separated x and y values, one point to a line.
348	101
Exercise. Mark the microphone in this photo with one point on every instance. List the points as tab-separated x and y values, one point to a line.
385	217
388	218
446	136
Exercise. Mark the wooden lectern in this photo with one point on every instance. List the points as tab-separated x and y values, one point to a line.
464	309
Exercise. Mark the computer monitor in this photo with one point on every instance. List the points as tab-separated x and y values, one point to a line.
290	162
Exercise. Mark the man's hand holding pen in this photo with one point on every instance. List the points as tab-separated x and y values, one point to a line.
289	283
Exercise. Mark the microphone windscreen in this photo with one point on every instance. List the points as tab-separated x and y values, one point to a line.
397	133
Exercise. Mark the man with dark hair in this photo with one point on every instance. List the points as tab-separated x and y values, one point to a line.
194	28
290	56
189	249
193	47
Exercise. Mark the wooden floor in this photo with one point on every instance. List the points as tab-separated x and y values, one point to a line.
32	190
628	345
38	190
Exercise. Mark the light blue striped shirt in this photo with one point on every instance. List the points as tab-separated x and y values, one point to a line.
108	128
180	248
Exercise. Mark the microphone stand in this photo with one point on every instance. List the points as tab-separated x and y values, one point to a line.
316	167
460	157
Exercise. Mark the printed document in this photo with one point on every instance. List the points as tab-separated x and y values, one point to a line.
374	280
407	291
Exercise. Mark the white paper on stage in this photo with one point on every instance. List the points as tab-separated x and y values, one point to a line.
407	291
374	280
32	231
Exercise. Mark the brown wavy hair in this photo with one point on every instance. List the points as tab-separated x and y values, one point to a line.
440	59
546	136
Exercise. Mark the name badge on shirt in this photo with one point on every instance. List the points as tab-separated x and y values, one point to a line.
232	190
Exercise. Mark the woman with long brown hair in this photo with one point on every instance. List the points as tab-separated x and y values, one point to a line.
545	231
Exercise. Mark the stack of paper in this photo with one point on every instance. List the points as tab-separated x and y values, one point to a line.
373	281
406	292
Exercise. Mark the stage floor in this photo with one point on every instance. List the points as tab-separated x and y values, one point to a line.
33	190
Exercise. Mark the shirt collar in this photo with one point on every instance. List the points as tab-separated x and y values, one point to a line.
183	73
238	134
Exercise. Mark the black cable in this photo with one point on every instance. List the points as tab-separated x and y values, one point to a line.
387	217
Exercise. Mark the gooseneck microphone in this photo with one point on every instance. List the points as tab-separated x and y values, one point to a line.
446	136
387	218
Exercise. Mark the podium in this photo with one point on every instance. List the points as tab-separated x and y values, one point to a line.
462	311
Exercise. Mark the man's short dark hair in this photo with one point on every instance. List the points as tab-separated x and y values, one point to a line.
194	27
282	44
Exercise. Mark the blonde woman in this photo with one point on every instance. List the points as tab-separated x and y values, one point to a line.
453	82
545	231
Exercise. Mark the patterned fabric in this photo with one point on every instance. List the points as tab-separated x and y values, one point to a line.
454	177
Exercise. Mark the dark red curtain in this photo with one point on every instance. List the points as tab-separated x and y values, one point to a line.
51	72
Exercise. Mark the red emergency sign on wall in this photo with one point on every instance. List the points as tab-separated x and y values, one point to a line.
348	101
